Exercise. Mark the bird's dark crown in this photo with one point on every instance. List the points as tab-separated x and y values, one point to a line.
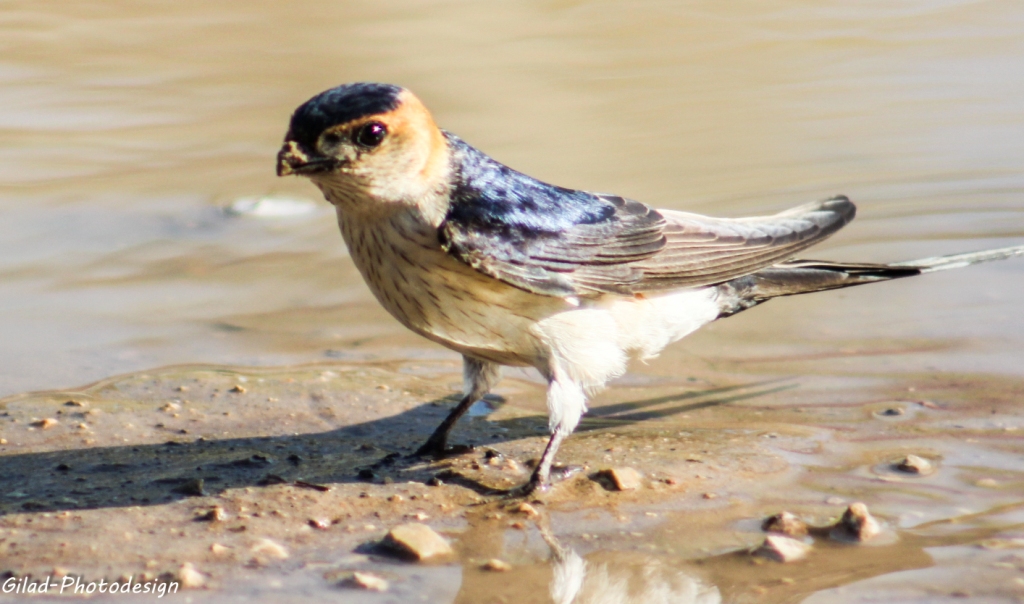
338	106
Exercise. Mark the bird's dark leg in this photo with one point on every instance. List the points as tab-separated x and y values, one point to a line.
541	477
479	377
566	403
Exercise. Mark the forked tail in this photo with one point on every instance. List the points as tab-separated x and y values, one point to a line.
806	276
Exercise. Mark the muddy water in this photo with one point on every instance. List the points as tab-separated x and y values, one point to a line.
128	131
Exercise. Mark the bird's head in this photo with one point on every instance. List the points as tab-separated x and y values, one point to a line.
363	143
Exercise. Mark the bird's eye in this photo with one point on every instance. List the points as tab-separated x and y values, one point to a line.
371	135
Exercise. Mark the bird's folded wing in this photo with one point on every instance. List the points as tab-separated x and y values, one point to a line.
636	249
703	251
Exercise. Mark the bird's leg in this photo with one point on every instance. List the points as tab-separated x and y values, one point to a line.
566	404
478	379
541	477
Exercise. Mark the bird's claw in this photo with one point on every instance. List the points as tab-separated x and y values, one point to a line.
542	484
441	451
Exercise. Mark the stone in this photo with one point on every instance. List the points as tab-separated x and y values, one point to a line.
857	524
912	464
269	548
529	510
622	479
417	541
784	523
782	549
189	577
496	565
45	423
214	514
367	581
192	488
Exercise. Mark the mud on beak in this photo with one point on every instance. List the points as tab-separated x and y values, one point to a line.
292	159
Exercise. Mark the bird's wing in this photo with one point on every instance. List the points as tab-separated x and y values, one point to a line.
702	251
596	251
631	248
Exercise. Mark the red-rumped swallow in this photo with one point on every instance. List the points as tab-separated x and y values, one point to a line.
508	270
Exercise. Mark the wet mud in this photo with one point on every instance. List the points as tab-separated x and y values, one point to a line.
281	483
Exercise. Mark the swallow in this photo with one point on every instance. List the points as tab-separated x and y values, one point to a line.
508	270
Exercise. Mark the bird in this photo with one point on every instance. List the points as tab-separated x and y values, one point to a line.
510	271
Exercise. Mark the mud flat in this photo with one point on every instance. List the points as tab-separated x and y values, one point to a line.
282	483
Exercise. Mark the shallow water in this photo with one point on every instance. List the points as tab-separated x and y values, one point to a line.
128	131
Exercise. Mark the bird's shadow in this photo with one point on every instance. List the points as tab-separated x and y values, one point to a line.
372	451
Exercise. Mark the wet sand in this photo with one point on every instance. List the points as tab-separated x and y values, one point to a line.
313	459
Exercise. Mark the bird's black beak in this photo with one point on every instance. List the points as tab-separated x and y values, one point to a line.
293	159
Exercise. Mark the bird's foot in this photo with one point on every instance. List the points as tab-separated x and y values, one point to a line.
541	484
440	450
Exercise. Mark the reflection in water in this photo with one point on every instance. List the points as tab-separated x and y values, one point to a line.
621	578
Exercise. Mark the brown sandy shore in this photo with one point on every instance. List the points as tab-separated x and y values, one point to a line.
278	483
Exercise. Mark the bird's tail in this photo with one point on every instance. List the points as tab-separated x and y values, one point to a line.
806	276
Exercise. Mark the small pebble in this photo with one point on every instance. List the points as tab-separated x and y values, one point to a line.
218	549
367	581
395	498
193	488
496	565
623	479
190	577
784	523
74	404
529	510
857	524
782	549
417	541
320	523
214	514
238	389
709	495
45	423
270	549
913	464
